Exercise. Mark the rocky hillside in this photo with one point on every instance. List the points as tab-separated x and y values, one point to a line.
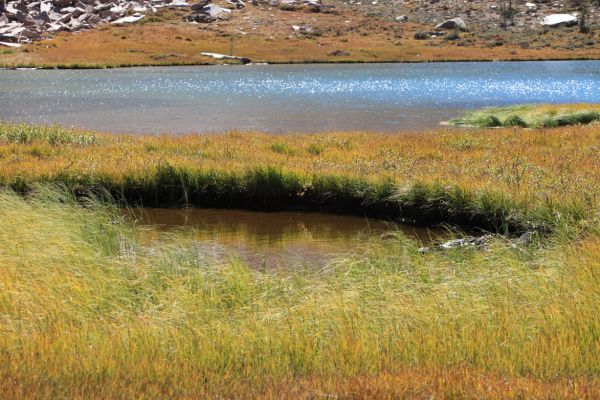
480	14
23	21
101	33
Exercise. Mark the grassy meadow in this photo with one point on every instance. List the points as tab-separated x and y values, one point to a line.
90	308
90	311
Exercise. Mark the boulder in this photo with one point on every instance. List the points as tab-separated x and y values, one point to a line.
239	4
62	3
57	27
93	19
43	17
24	18
401	18
218	56
45	7
214	12
454	23
65	18
303	29
31	34
555	20
78	12
102	7
200	5
137	7
128	20
22	6
13	45
117	9
8	38
9	9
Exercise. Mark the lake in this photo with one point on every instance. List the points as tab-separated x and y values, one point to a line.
275	239
286	98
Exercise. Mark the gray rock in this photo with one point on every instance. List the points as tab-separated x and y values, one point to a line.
212	12
9	38
93	20
24	18
9	44
62	3
200	5
22	6
454	23
128	20
65	18
44	17
31	34
303	29
45	7
555	20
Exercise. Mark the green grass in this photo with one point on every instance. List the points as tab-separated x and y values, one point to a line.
51	134
89	309
533	116
272	189
498	180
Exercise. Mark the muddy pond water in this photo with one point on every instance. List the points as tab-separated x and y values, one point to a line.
286	98
277	239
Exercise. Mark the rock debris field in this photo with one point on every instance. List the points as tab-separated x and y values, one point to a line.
24	21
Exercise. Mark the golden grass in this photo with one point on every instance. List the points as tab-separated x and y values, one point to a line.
91	307
548	170
89	312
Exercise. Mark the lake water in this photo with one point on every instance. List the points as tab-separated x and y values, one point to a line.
286	98
276	239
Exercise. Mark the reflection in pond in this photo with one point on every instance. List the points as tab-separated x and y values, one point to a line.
276	239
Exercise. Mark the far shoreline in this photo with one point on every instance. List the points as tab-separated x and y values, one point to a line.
263	63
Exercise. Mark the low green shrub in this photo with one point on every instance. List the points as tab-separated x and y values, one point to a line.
515	120
281	148
489	121
315	149
54	135
453	36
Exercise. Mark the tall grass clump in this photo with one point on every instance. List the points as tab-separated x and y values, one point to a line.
50	134
515	120
535	116
88	310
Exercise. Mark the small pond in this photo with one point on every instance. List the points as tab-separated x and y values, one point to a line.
277	239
